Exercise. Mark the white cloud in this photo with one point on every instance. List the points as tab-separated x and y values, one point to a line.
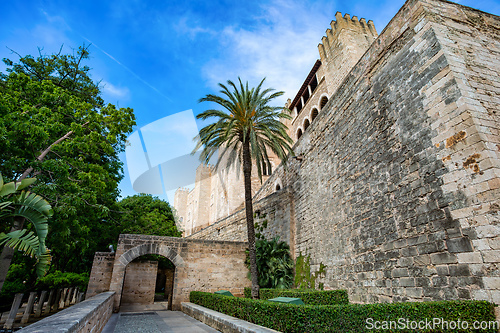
191	29
282	47
113	91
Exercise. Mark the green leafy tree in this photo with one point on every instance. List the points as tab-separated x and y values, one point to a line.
147	215
31	207
244	130
54	125
274	264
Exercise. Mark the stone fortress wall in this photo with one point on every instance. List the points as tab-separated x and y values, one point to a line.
217	194
397	184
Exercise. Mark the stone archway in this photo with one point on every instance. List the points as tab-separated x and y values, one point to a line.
203	265
122	261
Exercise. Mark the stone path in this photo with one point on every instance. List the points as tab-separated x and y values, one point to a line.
153	319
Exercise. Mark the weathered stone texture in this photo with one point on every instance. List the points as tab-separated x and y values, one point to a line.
199	264
100	276
140	281
217	193
90	315
398	188
274	214
222	322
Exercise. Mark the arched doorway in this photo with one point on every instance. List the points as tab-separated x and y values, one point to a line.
118	279
199	265
148	279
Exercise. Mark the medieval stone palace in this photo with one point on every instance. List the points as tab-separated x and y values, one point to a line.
396	184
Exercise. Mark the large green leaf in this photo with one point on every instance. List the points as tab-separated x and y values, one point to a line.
25	183
29	243
21	240
35	209
31	201
7	189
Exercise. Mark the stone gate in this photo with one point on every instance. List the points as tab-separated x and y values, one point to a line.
202	265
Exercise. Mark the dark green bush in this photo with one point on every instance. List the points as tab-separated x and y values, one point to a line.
274	264
63	280
344	318
308	296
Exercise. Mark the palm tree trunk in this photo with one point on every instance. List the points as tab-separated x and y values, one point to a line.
247	178
8	252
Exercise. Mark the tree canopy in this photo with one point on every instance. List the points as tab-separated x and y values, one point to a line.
147	215
55	126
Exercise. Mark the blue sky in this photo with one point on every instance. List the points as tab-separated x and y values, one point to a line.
160	57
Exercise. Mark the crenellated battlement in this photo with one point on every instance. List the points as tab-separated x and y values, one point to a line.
341	23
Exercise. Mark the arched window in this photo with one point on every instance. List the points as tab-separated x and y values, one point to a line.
278	187
323	102
299	133
306	124
314	114
267	169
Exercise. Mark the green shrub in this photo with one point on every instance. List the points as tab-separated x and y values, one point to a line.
274	264
344	318
308	296
63	280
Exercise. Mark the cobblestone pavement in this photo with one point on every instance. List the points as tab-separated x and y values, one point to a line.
155	322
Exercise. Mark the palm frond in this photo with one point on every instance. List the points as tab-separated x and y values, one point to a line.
246	115
21	240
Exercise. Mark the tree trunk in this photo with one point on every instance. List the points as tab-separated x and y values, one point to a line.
247	178
8	252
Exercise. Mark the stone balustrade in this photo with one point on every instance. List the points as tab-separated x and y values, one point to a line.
90	315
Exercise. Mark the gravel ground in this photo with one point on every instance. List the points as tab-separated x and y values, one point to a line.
137	322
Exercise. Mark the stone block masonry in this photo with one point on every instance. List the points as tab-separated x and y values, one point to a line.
100	276
397	190
140	281
90	315
274	217
199	265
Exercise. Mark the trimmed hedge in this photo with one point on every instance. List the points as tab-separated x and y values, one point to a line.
345	318
308	296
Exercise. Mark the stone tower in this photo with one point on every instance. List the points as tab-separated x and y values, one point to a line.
180	204
340	50
342	47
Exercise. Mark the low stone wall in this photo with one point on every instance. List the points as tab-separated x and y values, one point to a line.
100	277
90	315
221	322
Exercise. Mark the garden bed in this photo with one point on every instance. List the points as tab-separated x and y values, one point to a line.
396	317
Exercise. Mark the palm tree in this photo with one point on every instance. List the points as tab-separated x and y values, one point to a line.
245	130
29	206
